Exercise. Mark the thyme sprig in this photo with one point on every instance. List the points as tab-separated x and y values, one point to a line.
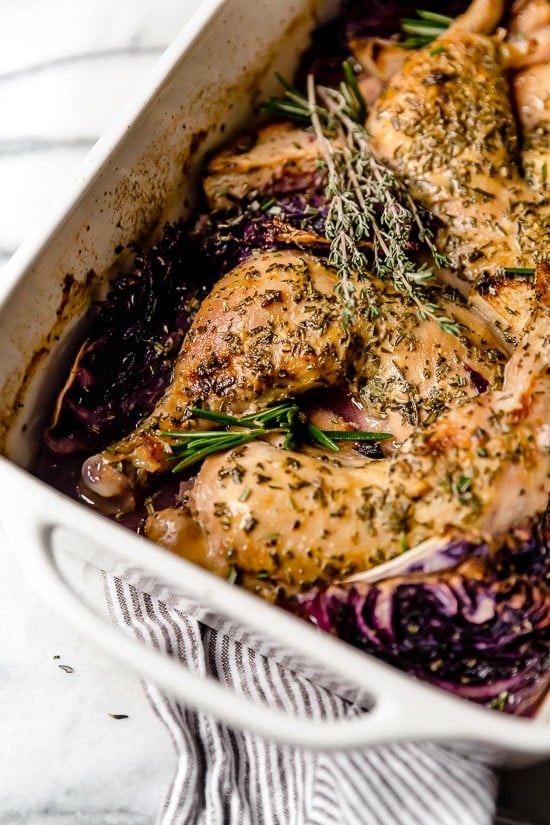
191	448
367	203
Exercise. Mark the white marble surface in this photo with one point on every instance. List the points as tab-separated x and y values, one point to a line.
65	67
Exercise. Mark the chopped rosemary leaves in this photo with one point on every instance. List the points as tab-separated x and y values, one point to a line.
518	270
368	207
190	448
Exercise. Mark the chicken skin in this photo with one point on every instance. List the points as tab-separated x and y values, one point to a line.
532	95
470	452
445	124
276	155
272	329
288	520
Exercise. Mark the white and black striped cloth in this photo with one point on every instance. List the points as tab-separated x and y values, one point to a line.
228	777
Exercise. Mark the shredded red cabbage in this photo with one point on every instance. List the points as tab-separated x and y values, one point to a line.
127	361
228	237
360	18
480	628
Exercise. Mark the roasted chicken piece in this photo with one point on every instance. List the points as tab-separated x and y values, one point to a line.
528	41
409	371
381	58
530	33
271	329
528	17
481	16
445	124
532	94
507	303
279	153
287	520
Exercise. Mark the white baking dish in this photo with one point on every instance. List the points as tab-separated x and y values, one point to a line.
204	89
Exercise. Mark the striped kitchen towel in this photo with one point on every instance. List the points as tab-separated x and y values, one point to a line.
230	777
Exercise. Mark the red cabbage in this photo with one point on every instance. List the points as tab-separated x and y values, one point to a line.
227	237
479	628
127	361
360	18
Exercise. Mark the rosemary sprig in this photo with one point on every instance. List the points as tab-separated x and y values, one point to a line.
518	270
355	104
424	28
191	448
292	105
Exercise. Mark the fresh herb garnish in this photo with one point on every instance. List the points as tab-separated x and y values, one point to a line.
368	207
424	28
190	448
518	270
500	701
293	104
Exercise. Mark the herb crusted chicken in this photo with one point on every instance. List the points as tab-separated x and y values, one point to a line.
464	444
271	329
446	123
355	424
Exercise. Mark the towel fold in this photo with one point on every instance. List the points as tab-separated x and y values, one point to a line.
230	777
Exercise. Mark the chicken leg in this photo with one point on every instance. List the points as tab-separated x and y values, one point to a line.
286	521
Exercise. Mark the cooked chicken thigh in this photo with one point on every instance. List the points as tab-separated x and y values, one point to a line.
445	124
287	520
532	94
470	456
271	329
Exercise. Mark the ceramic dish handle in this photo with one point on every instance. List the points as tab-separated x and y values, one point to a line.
396	714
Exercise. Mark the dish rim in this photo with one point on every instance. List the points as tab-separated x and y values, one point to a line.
456	718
